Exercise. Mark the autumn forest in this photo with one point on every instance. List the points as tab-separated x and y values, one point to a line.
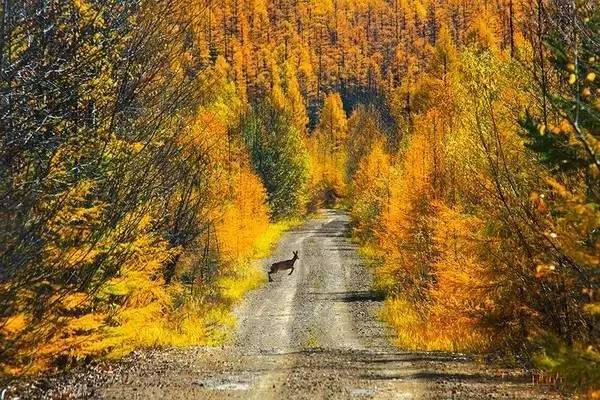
152	151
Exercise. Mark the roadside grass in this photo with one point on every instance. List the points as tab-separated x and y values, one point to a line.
264	244
243	275
416	329
573	368
181	315
415	332
577	367
201	314
248	273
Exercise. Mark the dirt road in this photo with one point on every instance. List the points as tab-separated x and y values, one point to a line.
313	334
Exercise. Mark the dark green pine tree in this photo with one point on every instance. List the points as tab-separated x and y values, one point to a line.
553	149
569	140
278	156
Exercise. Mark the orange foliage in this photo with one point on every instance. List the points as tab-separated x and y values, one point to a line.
370	192
244	218
404	233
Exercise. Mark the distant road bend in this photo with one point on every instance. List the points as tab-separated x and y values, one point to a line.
313	334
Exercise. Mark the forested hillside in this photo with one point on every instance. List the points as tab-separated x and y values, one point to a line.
152	150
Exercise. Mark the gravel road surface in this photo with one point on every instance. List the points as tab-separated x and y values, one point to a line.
310	335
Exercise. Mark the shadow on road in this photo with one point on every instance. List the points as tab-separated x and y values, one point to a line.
348	297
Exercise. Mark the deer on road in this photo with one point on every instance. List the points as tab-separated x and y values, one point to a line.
283	265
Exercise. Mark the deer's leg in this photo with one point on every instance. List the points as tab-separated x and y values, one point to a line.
291	271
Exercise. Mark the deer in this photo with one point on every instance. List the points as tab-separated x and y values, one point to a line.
283	265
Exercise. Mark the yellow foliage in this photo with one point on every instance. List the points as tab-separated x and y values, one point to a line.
402	231
371	191
74	300
463	292
408	324
328	154
14	325
264	243
87	322
246	273
244	218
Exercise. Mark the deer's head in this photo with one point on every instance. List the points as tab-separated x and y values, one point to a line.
295	253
